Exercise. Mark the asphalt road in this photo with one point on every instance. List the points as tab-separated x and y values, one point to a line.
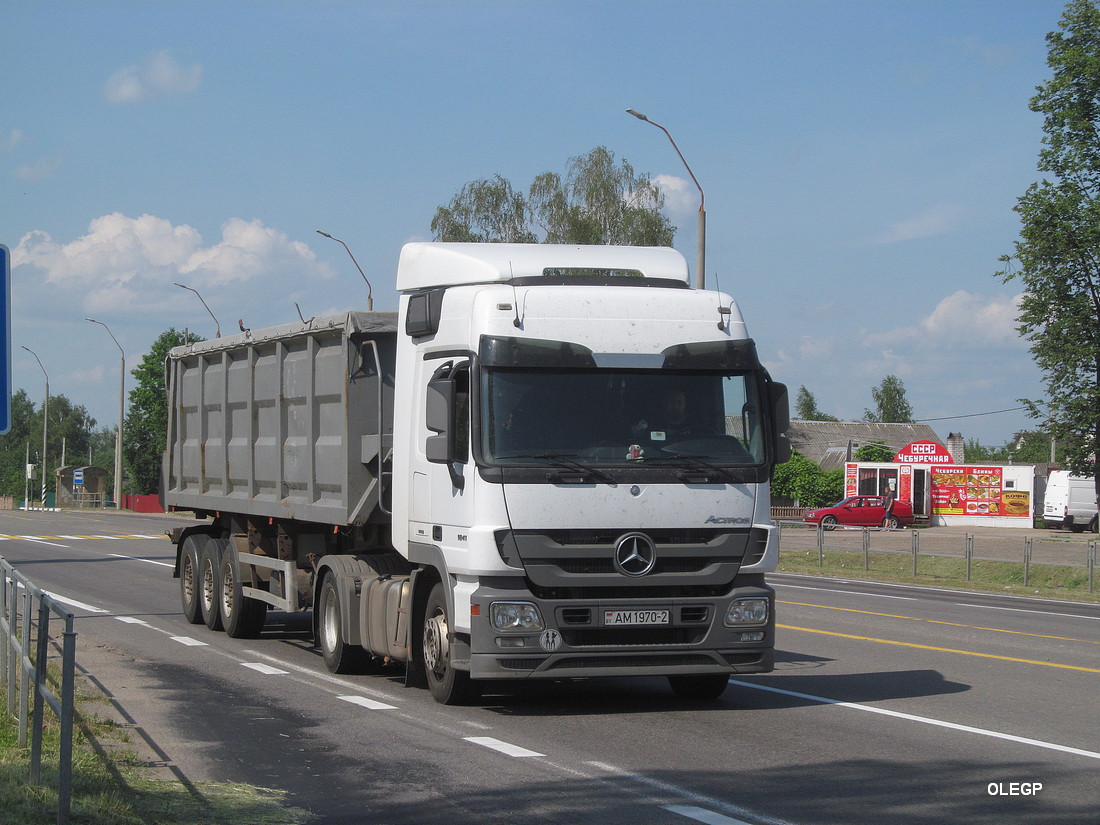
888	705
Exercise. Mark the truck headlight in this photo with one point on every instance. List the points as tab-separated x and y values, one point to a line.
523	616
747	611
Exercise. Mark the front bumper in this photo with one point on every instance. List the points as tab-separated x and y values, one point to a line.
575	642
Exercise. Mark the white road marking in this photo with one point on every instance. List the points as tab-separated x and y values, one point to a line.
267	670
845	592
1025	610
187	641
691	796
369	704
132	620
502	747
74	603
37	540
135	558
703	815
1038	743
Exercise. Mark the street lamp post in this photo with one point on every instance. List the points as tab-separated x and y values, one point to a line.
370	292
217	326
700	266
45	422
121	411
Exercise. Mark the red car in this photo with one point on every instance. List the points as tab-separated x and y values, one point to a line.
861	511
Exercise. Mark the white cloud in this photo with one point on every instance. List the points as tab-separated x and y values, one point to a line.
130	264
936	220
160	76
681	196
10	139
40	169
960	322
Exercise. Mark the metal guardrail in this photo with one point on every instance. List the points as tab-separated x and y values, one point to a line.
943	543
18	624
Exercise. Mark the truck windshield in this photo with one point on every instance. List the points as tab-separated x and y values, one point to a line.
606	417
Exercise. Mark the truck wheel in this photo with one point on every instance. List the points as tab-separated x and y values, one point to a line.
190	553
340	657
699	686
242	618
828	523
210	582
448	685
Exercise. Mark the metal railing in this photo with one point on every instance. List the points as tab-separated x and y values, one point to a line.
1028	551
25	614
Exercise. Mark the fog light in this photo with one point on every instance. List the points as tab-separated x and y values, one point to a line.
510	641
523	616
747	611
754	636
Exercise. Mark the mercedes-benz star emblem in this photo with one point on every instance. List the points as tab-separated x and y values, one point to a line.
635	554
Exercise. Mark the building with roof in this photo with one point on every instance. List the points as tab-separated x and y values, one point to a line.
829	444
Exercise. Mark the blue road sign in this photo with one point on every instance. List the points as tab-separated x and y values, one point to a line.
5	340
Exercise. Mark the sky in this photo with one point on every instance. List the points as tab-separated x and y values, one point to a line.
860	161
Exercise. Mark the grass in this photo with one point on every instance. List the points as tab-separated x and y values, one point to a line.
1044	580
113	786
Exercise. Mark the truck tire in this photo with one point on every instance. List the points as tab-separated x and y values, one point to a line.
210	582
190	583
340	657
242	617
699	686
448	685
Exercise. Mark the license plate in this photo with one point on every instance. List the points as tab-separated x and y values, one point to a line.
634	617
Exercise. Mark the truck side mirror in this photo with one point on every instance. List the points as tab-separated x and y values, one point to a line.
781	412
441	418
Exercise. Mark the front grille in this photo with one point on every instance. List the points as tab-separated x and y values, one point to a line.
631	662
637	636
576	615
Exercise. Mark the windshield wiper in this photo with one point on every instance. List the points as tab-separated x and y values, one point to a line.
700	467
566	462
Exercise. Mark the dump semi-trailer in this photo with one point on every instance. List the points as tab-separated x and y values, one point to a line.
552	462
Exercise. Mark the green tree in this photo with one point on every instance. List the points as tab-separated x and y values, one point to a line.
147	418
891	405
800	480
1057	258
599	201
805	407
70	430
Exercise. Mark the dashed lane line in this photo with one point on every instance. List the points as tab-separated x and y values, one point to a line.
364	702
502	747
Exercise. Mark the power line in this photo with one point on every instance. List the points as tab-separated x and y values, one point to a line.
972	415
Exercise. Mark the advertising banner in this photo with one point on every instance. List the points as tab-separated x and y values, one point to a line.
960	490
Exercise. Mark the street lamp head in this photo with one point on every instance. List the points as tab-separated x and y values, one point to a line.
636	114
370	289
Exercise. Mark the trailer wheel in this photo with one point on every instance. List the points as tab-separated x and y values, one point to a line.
340	657
210	582
242	617
699	686
190	583
448	685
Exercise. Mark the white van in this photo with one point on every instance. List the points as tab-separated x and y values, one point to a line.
1070	502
